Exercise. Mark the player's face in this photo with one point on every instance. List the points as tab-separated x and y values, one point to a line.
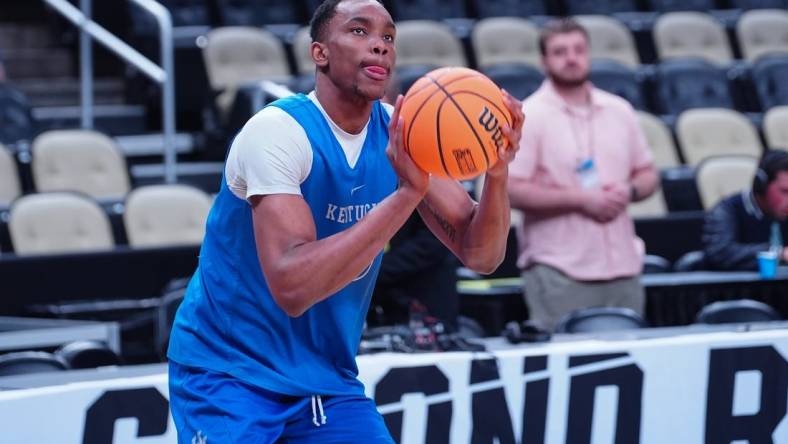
566	60
360	43
777	196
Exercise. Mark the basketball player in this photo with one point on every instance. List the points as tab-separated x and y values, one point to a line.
263	347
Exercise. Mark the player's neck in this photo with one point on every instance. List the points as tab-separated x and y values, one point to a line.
349	111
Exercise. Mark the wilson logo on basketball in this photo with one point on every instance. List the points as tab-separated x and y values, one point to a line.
464	159
490	123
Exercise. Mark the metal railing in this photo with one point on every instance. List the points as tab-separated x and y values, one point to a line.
164	75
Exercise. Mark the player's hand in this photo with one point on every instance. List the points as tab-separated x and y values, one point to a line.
512	133
410	175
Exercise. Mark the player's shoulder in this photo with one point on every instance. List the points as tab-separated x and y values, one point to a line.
612	101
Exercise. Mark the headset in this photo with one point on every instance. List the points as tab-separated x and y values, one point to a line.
771	163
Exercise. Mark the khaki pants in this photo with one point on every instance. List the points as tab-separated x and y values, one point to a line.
550	294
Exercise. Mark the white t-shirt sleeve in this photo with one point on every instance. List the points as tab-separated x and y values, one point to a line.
271	155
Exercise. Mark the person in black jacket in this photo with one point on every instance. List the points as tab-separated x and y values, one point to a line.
417	267
741	225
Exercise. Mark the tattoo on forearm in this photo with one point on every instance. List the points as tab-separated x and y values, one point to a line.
447	228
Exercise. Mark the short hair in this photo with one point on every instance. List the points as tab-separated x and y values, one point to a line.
773	162
559	26
323	14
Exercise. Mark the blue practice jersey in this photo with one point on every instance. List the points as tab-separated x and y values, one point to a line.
230	323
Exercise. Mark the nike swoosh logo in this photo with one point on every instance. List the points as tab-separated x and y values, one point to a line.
354	189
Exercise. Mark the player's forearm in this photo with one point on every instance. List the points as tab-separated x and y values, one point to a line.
484	243
313	271
543	200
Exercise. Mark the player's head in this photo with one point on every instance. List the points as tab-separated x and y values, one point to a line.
564	45
353	46
770	184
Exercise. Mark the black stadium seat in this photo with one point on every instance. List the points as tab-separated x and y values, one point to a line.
184	13
87	354
683	84
769	75
617	79
509	8
26	362
742	310
426	9
520	80
600	319
258	12
758	4
606	7
680	5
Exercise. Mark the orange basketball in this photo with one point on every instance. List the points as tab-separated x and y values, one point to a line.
452	122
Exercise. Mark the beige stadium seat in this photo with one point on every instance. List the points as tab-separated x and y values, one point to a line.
506	40
49	223
720	176
775	127
653	206
706	132
426	42
162	215
302	43
659	140
610	39
763	31
9	178
691	34
80	160
235	55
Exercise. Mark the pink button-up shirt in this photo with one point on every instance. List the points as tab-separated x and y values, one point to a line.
556	137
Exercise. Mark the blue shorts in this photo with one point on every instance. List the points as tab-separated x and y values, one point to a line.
210	407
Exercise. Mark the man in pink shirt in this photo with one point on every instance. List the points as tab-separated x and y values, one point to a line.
583	159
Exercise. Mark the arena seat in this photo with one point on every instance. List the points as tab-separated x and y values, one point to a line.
618	79
10	187
679	5
737	311
81	224
183	12
660	140
758	4
505	40
26	362
302	43
427	9
653	206
80	160
258	12
707	132
768	75
426	42
16	120
87	354
682	84
610	39
236	55
691	34
520	80
775	127
602	7
600	319
165	215
509	8
720	176
761	32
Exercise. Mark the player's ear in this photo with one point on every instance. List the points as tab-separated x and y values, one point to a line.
319	53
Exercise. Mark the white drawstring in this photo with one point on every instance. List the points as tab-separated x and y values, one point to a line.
317	400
